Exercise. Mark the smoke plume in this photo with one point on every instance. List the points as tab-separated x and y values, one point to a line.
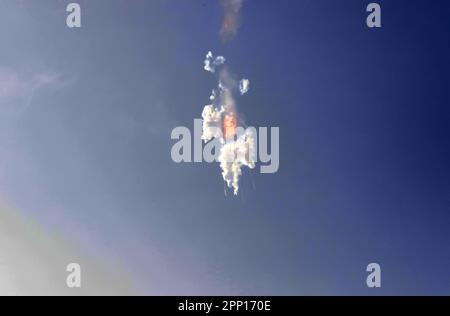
231	18
220	121
221	118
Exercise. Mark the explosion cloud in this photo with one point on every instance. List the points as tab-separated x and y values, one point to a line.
220	121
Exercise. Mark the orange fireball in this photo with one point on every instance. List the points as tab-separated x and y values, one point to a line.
229	125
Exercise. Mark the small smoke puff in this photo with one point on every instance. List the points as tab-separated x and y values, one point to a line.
213	95
211	63
244	86
220	60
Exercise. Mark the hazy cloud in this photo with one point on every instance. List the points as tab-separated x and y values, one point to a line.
231	19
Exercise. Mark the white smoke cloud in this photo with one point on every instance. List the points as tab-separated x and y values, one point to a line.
244	86
235	152
211	63
212	122
233	156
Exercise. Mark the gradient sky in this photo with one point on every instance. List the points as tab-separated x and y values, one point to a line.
85	122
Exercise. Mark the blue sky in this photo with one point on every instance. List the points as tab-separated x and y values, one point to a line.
85	122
